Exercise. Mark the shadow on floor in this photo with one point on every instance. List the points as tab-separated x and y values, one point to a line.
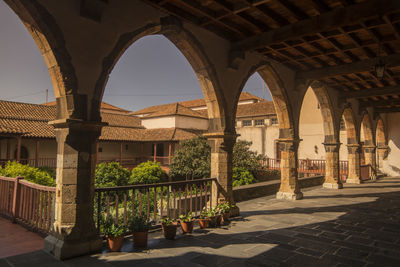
365	233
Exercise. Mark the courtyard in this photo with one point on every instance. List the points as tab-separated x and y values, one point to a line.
356	226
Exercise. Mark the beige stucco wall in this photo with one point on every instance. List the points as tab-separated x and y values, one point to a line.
310	129
191	123
162	122
391	165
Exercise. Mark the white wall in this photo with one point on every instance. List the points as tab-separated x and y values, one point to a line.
162	122
391	165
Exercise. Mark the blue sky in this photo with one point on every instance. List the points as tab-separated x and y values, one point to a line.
151	72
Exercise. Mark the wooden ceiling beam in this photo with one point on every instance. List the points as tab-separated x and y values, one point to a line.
380	103
378	91
387	110
325	22
355	67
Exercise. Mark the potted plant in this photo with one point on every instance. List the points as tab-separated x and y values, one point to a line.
114	234
187	222
224	210
204	220
213	216
169	226
140	227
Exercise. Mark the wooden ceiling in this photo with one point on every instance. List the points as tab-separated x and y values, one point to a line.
337	42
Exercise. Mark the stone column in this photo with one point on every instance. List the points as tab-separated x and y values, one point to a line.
221	165
289	188
73	232
354	152
383	152
370	159
332	177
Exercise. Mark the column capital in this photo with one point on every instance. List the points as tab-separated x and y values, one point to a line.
332	147
288	144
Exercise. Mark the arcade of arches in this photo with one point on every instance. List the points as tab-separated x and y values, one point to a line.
225	44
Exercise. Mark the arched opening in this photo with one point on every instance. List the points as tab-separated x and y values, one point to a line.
279	132
381	143
317	113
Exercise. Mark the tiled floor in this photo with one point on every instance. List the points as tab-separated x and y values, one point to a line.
356	226
14	239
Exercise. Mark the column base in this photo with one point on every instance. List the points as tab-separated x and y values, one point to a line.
353	181
332	186
289	195
65	249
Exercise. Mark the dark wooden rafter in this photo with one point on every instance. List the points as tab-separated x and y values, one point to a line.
387	110
325	22
380	103
355	67
379	91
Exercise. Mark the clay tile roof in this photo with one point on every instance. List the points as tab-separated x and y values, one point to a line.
121	120
172	134
190	104
104	107
255	109
176	109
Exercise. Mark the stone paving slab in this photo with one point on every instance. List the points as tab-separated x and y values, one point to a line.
356	226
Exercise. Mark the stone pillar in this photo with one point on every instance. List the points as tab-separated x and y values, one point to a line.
332	167
221	165
289	188
73	232
354	153
370	158
383	152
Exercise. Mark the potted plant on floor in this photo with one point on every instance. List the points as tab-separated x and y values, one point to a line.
224	210
140	227
204	220
213	216
169	226
187	222
114	234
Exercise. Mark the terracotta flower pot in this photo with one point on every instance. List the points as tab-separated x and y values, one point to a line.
214	220
169	231
187	227
225	217
204	223
115	243
140	239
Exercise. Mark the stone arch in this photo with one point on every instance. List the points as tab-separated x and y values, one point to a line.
191	48
331	128
380	133
287	126
353	136
366	127
50	41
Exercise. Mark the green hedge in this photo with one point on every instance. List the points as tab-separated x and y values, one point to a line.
148	173
38	176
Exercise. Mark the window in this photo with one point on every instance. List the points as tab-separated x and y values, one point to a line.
100	149
247	123
274	121
259	122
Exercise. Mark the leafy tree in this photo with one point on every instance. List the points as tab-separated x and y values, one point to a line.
148	173
192	160
111	174
32	174
243	157
242	176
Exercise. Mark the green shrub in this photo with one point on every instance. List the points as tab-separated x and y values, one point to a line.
192	160
110	175
242	176
50	171
148	173
243	157
32	174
